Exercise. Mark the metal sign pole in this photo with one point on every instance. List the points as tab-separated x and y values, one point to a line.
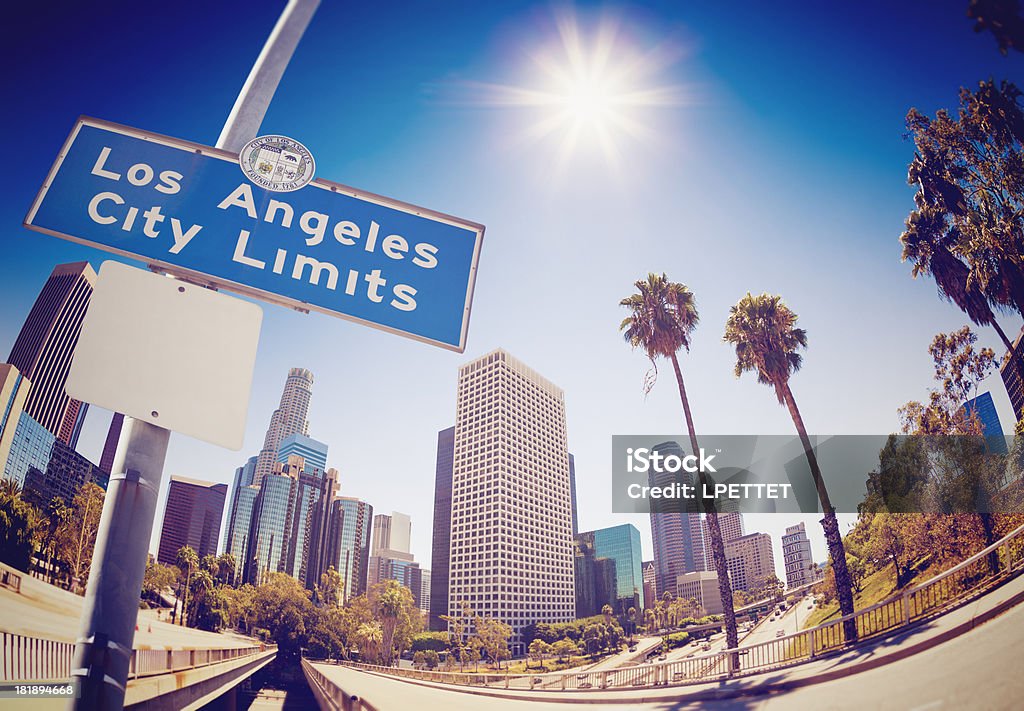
100	666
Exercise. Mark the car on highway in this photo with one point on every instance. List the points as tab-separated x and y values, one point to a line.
780	633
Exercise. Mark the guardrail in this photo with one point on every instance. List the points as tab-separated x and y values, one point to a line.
328	690
31	658
984	570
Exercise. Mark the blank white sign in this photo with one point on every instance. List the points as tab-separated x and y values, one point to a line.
167	352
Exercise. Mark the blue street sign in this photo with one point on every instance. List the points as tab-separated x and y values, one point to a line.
191	211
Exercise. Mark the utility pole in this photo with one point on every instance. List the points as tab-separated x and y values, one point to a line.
103	649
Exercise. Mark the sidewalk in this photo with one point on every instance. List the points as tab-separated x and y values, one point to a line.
878	652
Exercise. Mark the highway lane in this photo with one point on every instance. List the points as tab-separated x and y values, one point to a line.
978	670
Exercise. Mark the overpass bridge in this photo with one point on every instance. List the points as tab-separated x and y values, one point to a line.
171	667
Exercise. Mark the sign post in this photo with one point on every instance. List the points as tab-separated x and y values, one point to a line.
104	646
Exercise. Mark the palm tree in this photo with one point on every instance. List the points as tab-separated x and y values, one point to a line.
663	315
187	559
927	245
764	333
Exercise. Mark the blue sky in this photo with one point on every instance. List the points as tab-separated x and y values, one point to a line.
782	169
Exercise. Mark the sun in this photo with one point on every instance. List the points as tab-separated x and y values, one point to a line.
589	89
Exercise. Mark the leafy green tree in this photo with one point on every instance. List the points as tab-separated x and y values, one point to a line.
967	228
399	618
16	527
564	648
767	342
423	641
538	650
58	515
431	659
329	589
282	606
494	636
1002	18
78	537
227	569
662	318
157	579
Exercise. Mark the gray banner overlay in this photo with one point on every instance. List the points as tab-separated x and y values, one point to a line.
771	474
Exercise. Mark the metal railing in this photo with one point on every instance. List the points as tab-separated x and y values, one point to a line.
328	690
973	577
33	659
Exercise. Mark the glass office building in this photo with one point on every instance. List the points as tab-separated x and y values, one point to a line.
621	544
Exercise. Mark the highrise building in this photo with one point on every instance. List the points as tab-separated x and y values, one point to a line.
730	523
14	389
425	578
110	443
348	543
985	409
288	419
701	586
796	556
1010	374
312	488
677	535
243	503
191	518
271	521
313	453
390	558
572	494
750	561
30	450
441	542
650	587
511	515
608	561
391	533
46	344
66	472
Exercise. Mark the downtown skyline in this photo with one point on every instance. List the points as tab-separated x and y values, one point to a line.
376	391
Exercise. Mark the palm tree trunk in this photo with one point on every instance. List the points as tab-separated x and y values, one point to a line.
717	544
844	587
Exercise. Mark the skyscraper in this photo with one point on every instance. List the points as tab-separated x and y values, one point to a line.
441	542
14	388
796	556
1008	371
731	525
46	345
288	419
511	516
110	443
243	502
572	494
678	537
650	587
271	521
750	561
191	518
989	419
348	543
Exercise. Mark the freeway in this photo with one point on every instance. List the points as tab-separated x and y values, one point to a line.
975	670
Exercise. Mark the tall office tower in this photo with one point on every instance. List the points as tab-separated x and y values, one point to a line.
14	389
511	527
243	478
1011	379
441	542
391	533
110	443
243	503
572	494
609	570
701	586
985	409
796	556
750	561
678	538
191	518
731	525
271	521
66	472
348	543
312	488
316	560
425	591
289	418
46	344
650	587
